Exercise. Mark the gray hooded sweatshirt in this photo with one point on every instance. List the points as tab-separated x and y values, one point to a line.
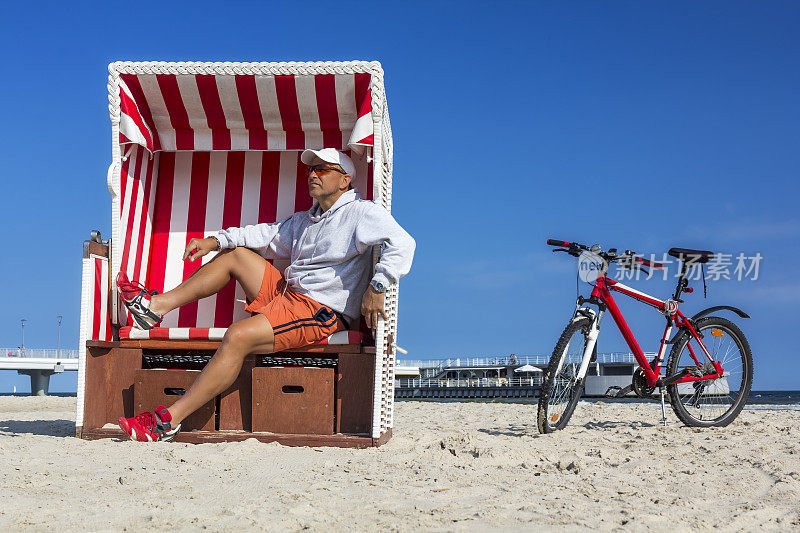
329	252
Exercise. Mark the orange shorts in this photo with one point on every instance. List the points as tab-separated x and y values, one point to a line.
296	319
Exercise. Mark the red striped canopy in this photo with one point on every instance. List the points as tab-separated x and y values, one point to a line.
215	145
203	112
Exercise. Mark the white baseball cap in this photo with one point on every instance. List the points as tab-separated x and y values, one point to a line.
329	155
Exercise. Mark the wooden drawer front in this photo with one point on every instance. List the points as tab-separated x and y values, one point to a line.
293	400
163	387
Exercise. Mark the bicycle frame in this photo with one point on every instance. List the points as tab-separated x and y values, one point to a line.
601	295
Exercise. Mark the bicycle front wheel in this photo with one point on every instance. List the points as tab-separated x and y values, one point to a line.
561	388
714	402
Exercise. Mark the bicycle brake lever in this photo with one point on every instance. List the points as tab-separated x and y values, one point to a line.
560	250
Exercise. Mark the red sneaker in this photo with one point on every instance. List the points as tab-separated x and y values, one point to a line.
150	426
137	299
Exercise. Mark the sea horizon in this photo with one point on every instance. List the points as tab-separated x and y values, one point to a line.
759	399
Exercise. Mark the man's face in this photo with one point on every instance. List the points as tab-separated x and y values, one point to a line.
325	179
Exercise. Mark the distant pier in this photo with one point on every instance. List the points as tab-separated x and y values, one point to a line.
39	364
502	377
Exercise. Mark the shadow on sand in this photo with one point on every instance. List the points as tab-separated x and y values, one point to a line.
611	424
513	430
51	428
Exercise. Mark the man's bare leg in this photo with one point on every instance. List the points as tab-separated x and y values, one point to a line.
251	335
246	336
246	266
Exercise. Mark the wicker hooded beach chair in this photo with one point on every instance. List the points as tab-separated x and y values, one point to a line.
197	147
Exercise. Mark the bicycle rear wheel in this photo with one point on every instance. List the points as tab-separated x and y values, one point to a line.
561	388
719	401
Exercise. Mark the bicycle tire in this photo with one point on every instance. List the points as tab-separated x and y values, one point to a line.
560	390
715	402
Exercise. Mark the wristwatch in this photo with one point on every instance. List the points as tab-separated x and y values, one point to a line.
378	286
219	247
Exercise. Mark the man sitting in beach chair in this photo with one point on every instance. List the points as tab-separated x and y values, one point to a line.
326	287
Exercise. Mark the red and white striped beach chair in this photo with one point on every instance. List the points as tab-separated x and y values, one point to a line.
201	146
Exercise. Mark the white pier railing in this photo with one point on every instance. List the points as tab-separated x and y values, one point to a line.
480	382
508	360
39	353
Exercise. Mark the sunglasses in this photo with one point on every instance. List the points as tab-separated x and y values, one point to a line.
323	169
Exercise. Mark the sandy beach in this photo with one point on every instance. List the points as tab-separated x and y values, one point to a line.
449	467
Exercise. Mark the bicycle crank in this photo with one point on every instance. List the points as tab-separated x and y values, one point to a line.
640	386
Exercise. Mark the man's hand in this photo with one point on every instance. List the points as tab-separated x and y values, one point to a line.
198	248
372	307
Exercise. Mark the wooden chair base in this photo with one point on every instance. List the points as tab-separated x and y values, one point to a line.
305	406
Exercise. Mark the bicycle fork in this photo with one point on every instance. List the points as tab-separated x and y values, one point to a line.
591	340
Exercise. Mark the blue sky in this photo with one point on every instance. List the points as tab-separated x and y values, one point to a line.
640	125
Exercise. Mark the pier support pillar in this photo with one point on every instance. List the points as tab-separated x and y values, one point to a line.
40	380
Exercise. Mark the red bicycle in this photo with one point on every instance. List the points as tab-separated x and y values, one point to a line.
710	368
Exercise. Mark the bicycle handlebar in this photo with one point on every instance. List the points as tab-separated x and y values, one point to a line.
574	249
567	244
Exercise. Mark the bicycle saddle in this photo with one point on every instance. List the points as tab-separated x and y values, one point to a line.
698	256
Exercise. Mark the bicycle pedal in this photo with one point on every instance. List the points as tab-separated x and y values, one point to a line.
618	392
612	391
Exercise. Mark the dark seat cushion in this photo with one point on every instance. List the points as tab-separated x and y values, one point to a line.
687	254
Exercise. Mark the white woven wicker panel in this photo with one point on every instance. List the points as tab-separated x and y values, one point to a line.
380	331
393	305
388	360
86	290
